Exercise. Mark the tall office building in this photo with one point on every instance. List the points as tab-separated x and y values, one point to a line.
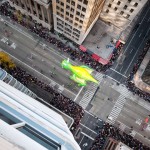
75	18
39	10
27	124
121	12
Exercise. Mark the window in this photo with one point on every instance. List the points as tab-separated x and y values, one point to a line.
77	19
85	2
83	9
81	21
71	15
80	27
72	9
62	15
67	13
109	5
125	7
118	3
115	8
127	16
68	1
78	6
80	0
73	3
129	1
82	16
136	4
67	7
62	4
78	13
107	11
76	24
62	10
131	10
57	7
58	13
122	12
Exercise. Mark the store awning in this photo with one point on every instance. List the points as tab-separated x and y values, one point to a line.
82	48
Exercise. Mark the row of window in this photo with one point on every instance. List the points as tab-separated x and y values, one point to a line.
125	7
122	12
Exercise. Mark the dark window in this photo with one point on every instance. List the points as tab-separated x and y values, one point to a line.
127	16
83	9
62	4
115	8
85	2
71	15
118	3
38	6
77	13
73	3
129	1
62	10
77	19
107	11
68	1
72	9
82	16
67	13
125	7
68	7
131	10
122	12
57	7
109	5
81	21
135	5
78	6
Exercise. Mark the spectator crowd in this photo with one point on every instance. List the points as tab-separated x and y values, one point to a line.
59	101
67	105
110	131
130	85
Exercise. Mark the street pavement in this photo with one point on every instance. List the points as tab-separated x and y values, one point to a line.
133	48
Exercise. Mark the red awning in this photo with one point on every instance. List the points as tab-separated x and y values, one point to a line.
96	57
118	43
103	61
82	48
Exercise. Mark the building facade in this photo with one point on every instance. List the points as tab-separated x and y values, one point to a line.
39	10
112	144
121	12
27	124
7	78
75	18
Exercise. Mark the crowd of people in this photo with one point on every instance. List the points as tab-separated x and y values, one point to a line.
43	32
130	85
59	101
109	131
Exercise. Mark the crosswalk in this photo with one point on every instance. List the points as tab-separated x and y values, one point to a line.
116	109
90	92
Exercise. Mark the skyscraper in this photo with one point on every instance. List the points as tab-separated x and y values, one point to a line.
121	12
27	124
75	18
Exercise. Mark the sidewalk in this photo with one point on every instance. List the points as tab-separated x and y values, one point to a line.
137	80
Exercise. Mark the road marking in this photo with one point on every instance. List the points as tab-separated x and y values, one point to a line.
88	128
87	136
78	93
121	68
136	52
37	71
135	33
81	140
131	50
118	72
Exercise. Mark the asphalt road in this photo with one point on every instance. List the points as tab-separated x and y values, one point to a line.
46	61
133	47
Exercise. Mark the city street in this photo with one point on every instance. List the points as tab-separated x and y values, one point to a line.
132	49
111	102
45	60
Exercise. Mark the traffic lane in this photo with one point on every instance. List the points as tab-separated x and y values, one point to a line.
117	76
26	48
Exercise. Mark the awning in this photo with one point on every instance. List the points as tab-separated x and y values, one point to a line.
96	57
118	43
82	48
